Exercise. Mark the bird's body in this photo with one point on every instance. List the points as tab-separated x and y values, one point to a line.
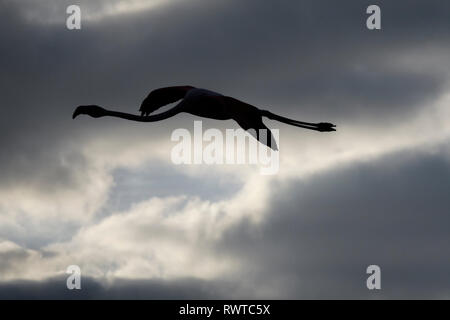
207	104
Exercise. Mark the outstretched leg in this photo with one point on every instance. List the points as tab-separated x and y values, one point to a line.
245	110
321	126
259	131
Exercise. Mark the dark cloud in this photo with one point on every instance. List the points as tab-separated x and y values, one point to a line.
300	58
295	49
91	288
308	58
322	233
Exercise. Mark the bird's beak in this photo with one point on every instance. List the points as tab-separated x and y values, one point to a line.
76	113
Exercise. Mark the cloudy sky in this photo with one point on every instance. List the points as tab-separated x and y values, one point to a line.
103	194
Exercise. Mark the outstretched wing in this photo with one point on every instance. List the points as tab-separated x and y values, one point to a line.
163	96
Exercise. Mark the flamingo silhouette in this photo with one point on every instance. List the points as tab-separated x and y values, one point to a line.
207	104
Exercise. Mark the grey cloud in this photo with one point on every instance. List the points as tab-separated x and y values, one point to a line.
308	58
55	288
225	47
322	233
318	238
11	258
160	180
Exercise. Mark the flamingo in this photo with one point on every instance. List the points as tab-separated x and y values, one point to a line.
207	104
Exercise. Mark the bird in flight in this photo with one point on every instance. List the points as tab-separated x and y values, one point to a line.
207	104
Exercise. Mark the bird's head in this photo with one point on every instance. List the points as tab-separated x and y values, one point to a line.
91	110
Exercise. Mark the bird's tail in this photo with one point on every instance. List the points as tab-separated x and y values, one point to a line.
321	126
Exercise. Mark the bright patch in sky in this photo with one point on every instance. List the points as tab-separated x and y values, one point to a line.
51	12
